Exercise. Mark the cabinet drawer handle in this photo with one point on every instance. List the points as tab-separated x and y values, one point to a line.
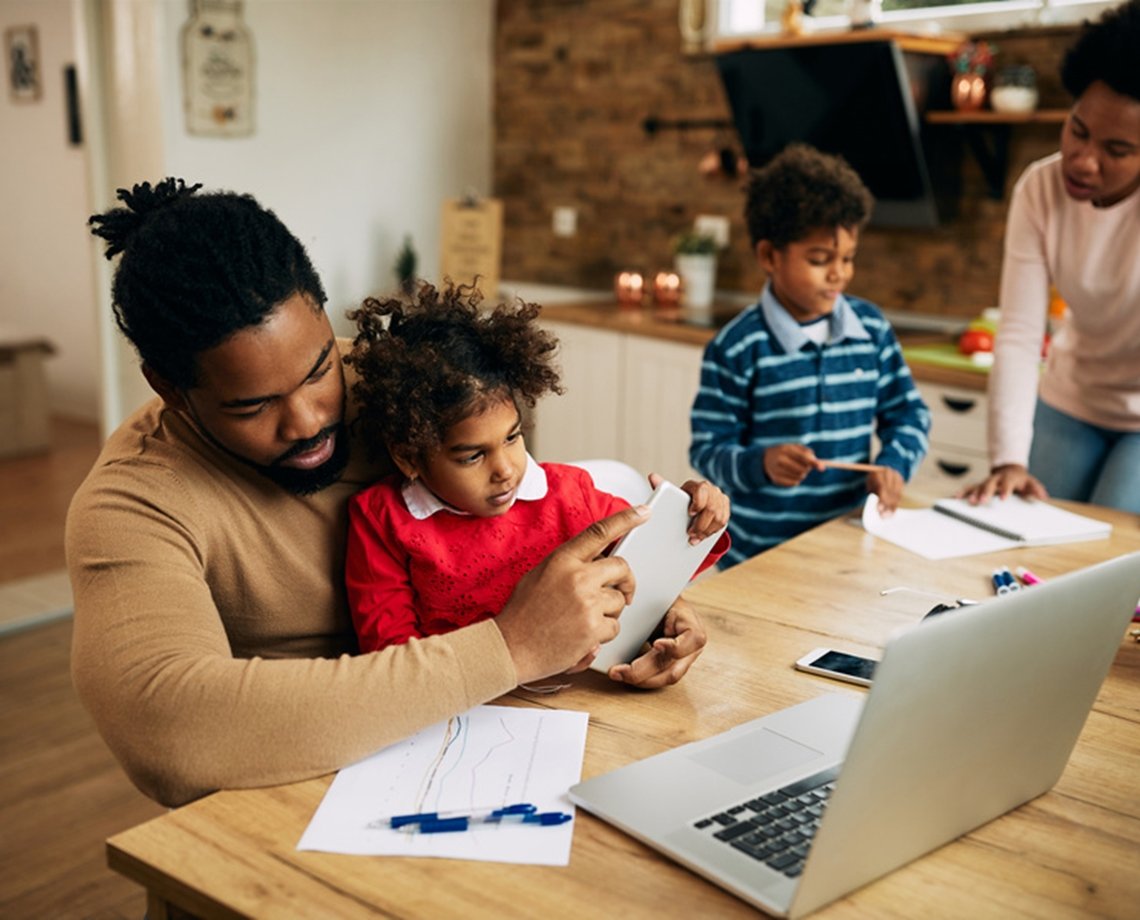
953	469
958	405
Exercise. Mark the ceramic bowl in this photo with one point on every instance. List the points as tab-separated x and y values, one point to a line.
1013	99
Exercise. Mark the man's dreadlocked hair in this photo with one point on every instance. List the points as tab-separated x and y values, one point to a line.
427	365
195	269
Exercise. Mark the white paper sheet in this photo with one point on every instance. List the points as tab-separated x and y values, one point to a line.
486	758
931	534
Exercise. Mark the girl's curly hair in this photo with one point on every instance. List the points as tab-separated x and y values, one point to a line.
424	366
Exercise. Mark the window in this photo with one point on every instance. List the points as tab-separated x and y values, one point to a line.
739	18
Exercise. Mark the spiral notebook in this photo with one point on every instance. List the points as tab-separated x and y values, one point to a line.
954	527
1028	521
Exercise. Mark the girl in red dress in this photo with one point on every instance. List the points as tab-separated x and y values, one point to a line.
443	543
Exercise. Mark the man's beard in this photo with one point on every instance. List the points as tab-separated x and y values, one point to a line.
306	482
297	481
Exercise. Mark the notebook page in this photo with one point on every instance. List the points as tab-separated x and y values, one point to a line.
931	534
1036	522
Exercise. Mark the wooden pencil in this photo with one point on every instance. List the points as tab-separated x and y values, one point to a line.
857	467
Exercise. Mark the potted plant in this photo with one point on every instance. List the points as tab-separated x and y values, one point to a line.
695	260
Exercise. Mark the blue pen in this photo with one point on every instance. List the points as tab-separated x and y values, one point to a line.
536	819
1007	577
434	822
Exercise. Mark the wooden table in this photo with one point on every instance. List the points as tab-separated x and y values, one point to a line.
1075	851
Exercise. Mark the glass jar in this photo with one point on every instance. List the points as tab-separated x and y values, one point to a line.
1014	90
864	14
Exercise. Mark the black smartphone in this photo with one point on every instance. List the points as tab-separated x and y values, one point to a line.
839	665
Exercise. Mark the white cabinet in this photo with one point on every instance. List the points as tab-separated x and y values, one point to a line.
958	455
627	398
661	381
584	422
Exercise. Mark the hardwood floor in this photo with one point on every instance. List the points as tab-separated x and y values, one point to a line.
34	494
61	792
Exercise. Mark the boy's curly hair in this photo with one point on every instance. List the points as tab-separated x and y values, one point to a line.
195	269
800	190
426	365
1107	49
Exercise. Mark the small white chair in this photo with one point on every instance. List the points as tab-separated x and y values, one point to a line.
617	478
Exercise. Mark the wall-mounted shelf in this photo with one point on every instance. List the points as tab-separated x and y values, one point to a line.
988	133
986	117
945	43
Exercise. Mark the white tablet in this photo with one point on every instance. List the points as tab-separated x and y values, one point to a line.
663	562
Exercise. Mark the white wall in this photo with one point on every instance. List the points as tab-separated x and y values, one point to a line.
368	114
45	262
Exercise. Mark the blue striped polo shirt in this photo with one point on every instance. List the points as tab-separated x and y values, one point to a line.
765	382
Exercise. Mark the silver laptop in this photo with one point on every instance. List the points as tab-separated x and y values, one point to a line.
971	713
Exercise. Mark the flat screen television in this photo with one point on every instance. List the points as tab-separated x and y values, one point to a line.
863	100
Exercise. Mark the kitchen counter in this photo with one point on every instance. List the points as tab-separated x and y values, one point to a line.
672	327
640	321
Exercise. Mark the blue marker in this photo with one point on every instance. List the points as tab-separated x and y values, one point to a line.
1000	587
1004	582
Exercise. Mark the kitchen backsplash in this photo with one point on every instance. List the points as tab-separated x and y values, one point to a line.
576	80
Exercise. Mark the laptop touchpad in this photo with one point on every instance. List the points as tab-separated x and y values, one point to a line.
755	755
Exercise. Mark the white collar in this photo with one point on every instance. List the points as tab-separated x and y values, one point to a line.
842	322
422	503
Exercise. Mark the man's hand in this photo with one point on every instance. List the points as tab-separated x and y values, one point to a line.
788	464
887	483
1004	481
568	605
670	656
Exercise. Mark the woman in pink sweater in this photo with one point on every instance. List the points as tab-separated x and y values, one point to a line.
1073	430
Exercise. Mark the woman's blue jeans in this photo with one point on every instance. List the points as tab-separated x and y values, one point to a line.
1082	462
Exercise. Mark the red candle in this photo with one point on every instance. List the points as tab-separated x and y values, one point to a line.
667	289
629	288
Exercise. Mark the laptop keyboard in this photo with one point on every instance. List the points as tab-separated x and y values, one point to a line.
776	828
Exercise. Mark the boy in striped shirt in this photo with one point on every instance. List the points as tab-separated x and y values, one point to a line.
806	376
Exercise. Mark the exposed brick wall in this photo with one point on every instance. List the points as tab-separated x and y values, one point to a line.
574	82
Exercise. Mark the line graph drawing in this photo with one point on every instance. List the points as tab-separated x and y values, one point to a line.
486	758
473	768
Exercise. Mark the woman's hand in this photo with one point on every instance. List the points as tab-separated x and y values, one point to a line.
1003	481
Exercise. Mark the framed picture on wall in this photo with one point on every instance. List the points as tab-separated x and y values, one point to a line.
22	57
